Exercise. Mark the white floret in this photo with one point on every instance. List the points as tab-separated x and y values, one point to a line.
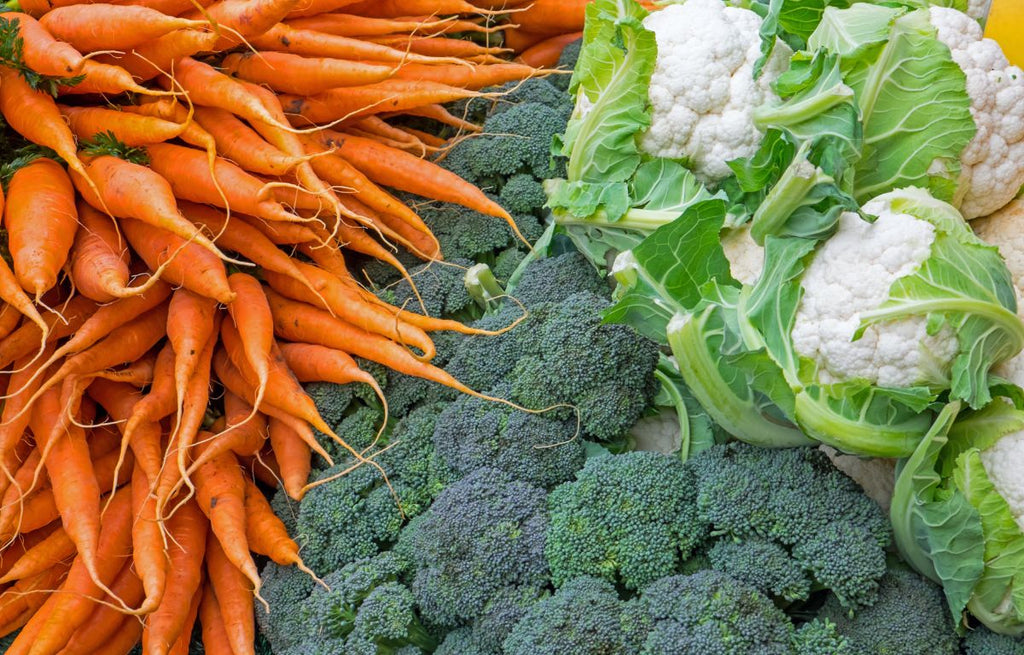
993	162
746	258
853	272
1004	464
658	433
978	9
702	91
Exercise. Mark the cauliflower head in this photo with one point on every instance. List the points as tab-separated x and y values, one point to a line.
853	272
702	91
993	162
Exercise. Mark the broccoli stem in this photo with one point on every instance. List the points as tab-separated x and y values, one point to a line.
483	287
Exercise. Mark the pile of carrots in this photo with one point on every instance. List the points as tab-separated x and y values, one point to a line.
183	181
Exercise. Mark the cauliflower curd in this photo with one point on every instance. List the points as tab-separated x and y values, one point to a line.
703	92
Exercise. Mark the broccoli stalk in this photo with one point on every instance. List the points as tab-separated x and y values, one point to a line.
483	287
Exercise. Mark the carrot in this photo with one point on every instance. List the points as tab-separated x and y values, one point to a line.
353	25
182	644
137	374
20	602
40	51
215	636
297	321
185	169
98	26
553	16
236	383
267	534
192	266
41	220
106	78
422	244
520	40
24	483
99	260
128	190
263	467
467	77
9	316
315	7
234	597
15	297
119	399
158	56
13	553
25	340
250	316
241	436
52	626
237	20
440	46
186	548
169	110
104	620
125	638
443	116
408	173
292	454
34	115
53	549
283	38
392	8
149	556
291	73
347	305
279	232
131	129
241	144
220	493
209	87
169	7
547	53
356	101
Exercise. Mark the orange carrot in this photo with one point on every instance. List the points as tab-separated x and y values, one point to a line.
353	25
440	46
192	266
547	53
186	170
99	258
125	638
106	78
315	7
553	16
53	549
21	601
238	20
131	129
9	318
119	399
187	530
234	597
466	77
209	87
182	644
215	636
41	220
291	73
250	316
241	144
220	493
317	44
190	322
240	435
41	52
293	457
25	340
442	115
128	190
159	56
13	553
355	101
105	619
391	8
97	26
279	232
149	556
266	533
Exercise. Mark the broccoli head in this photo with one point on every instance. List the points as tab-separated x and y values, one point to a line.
536	90
982	641
482	534
286	589
332	400
797	498
820	637
909	616
386	622
567	61
440	287
766	565
523	194
584	617
553	279
472	433
500	614
460	642
710	612
626	518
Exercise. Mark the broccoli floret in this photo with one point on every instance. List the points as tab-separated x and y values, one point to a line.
626	518
584	617
710	612
467	234
460	642
346	519
472	433
332	400
820	637
535	90
909	616
982	641
522	194
386	622
553	279
440	287
416	472
482	534
516	140
506	263
764	564
567	61
500	614
286	589
799	499
358	428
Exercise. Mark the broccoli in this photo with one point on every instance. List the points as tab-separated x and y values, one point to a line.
820	637
482	534
584	617
358	428
764	564
710	612
535	90
387	621
416	472
626	518
553	279
909	616
460	642
799	499
516	140
982	641
567	61
286	589
500	614
523	194
439	285
472	433
332	400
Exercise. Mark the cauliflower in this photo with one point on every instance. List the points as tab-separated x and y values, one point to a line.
746	258
993	162
1003	230
702	90
658	433
852	273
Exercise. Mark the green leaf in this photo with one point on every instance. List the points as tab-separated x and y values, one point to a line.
849	33
107	143
937	531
